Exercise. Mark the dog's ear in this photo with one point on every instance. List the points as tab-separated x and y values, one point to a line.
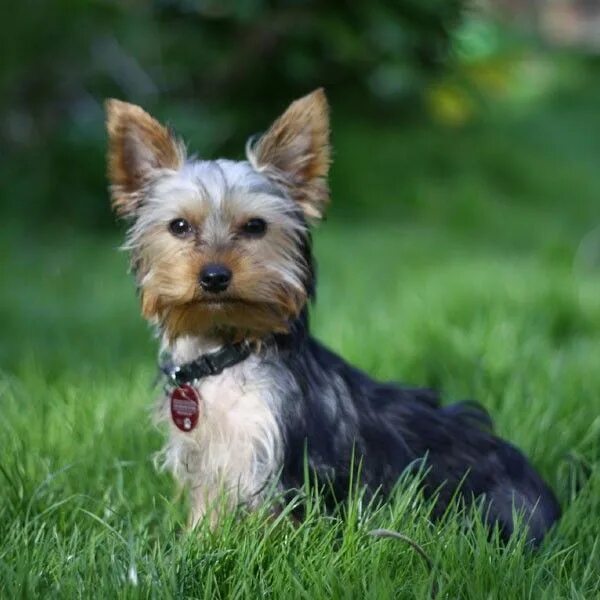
139	148
295	152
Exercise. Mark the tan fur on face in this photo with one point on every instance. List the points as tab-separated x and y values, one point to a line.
265	292
254	305
154	183
139	147
295	152
169	268
236	321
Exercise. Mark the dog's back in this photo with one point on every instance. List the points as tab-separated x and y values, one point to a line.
344	415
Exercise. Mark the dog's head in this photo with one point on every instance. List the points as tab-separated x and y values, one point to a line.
221	245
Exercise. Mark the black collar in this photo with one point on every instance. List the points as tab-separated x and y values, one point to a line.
207	364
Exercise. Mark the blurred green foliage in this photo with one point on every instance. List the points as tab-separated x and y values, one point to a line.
477	274
216	70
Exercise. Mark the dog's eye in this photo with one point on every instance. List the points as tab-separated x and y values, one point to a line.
180	227
254	227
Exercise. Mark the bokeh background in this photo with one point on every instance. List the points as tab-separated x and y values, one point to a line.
426	73
473	119
465	124
462	251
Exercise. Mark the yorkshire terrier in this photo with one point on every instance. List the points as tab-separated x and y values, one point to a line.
221	252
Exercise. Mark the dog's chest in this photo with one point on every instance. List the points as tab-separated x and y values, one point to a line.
236	443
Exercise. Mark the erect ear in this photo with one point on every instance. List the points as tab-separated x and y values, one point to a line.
295	152
139	147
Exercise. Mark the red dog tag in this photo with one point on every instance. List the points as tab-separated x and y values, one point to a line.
185	407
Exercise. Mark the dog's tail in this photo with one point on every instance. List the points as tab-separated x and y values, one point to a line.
524	494
497	472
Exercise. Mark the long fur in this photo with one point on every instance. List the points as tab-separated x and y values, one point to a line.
292	400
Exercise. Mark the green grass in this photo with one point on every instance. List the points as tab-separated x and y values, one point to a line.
476	283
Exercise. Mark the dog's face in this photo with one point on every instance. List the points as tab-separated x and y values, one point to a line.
220	245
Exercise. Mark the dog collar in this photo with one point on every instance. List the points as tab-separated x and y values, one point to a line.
207	364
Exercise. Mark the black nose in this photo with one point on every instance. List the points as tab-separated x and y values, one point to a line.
215	278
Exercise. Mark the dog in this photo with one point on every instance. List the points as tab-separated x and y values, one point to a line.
221	253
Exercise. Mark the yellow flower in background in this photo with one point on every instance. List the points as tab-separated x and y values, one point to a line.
493	76
449	104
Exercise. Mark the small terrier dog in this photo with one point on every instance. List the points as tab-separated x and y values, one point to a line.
221	252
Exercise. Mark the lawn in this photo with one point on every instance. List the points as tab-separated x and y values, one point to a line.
468	262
